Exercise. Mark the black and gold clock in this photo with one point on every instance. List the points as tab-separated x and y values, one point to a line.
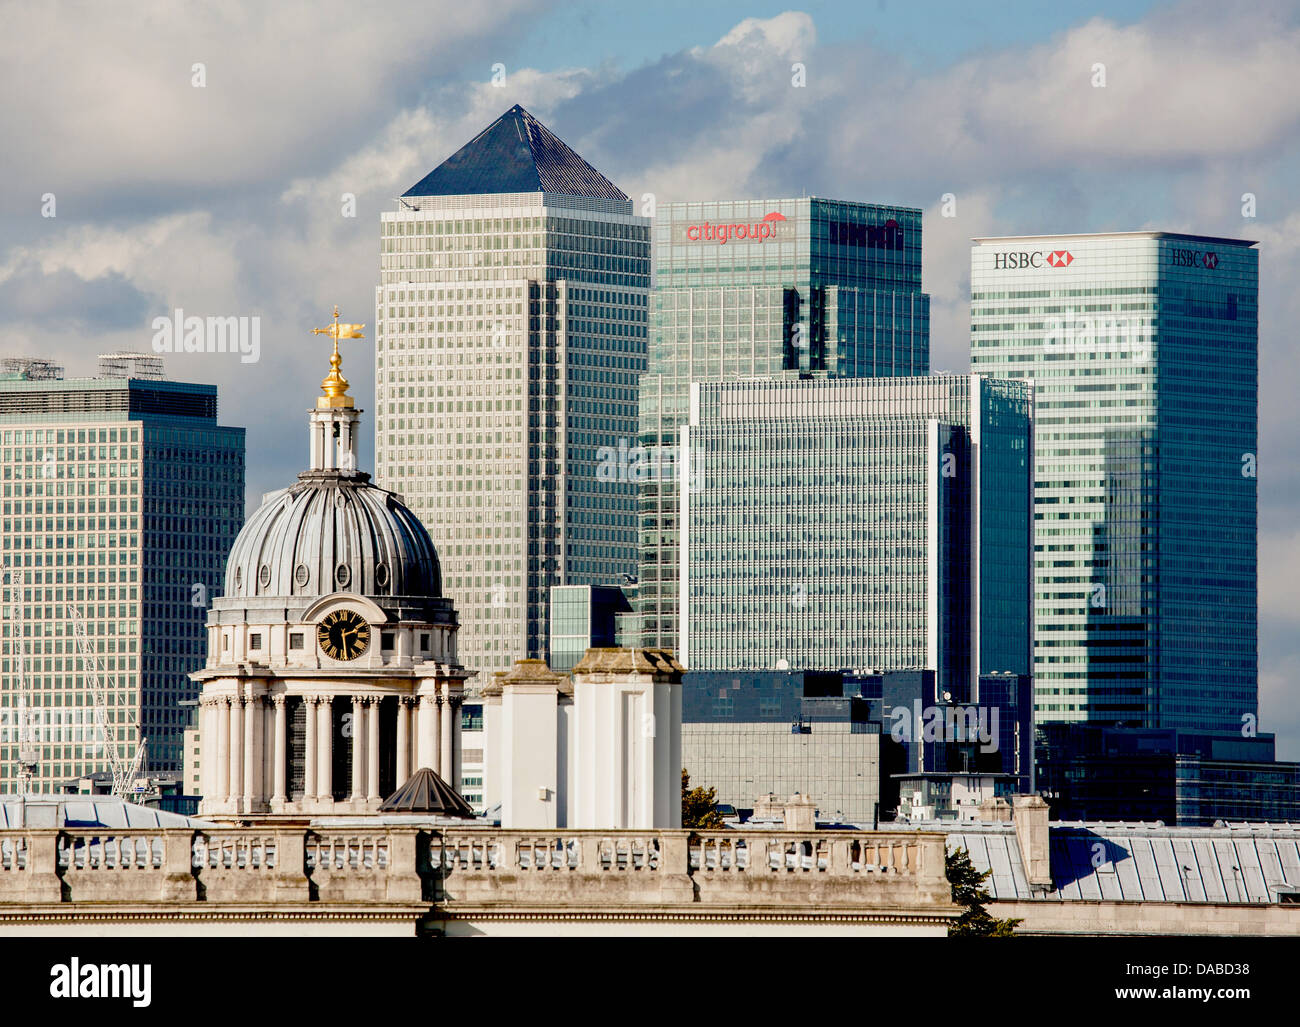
343	635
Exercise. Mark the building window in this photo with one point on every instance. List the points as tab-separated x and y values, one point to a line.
386	641
255	640
424	643
295	640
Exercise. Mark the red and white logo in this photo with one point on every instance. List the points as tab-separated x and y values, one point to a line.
1060	258
1211	260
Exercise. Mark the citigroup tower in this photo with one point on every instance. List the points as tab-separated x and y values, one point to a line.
764	289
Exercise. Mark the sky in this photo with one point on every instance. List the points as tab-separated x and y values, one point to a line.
225	198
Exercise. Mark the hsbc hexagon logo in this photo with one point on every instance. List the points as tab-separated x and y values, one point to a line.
1207	259
1060	258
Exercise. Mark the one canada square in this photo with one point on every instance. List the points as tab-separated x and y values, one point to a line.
510	335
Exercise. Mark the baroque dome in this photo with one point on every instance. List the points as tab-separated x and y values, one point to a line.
333	531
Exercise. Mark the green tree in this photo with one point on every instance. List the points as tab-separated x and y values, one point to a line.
968	891
699	806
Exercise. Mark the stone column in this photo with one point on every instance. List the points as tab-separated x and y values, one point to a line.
220	770
236	749
426	744
251	725
358	748
309	761
372	748
403	740
445	713
325	748
280	751
456	723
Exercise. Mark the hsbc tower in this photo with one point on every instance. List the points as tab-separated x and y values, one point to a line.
1143	349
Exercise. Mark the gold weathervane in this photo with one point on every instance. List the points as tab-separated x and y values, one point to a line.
334	385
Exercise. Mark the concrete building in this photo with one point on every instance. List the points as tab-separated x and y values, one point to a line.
748	734
763	289
511	331
121	497
831	524
601	749
332	670
1145	490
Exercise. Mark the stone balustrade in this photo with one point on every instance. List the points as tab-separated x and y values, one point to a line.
474	868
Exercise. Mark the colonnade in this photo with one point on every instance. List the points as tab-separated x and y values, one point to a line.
244	747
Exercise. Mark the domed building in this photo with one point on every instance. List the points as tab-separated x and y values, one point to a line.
332	672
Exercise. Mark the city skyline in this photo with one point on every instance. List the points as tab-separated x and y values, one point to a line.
144	229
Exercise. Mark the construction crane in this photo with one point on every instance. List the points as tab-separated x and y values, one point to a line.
124	770
29	755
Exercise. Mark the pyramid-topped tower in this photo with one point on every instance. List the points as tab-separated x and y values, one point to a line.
516	154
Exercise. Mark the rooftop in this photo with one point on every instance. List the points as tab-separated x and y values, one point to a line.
1117	235
515	154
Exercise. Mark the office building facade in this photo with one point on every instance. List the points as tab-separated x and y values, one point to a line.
510	335
881	523
583	617
120	498
769	289
1143	350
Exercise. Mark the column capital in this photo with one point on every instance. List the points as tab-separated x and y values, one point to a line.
278	699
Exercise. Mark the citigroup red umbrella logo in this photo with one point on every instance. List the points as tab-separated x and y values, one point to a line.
776	215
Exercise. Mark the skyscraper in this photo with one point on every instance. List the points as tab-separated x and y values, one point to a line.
1143	347
510	336
770	288
121	498
835	524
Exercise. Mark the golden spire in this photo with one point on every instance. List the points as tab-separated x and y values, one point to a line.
334	386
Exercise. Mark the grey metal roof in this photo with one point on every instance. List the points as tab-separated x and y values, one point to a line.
329	531
86	811
1141	862
426	792
515	154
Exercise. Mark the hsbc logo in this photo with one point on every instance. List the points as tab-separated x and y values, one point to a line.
1035	258
1207	259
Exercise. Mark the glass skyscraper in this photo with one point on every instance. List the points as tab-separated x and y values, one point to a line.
871	523
764	288
1143	350
510	335
121	497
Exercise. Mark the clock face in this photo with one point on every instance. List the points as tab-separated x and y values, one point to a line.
343	635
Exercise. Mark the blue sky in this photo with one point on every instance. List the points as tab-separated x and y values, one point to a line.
628	34
226	199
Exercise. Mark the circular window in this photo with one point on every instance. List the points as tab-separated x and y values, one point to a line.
339	501
264	576
239	577
342	575
381	575
301	574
